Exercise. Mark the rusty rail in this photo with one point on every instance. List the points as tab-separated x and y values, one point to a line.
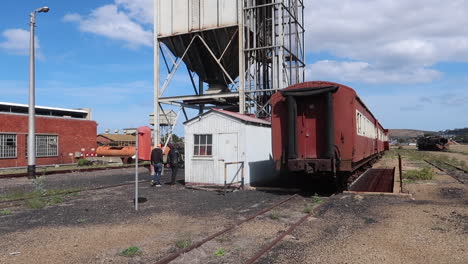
273	243
45	173
68	192
174	255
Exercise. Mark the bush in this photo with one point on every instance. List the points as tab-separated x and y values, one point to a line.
130	252
184	243
422	174
84	162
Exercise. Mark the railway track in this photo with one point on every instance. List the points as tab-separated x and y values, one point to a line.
45	173
263	250
459	174
63	193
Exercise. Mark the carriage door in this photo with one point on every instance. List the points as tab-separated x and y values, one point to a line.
228	152
310	127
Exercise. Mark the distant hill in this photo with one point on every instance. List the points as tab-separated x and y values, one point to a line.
459	134
407	133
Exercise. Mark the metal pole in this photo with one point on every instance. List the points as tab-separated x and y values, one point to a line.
225	178
157	136
400	172
32	112
240	15
136	171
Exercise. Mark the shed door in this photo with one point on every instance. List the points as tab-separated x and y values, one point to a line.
227	152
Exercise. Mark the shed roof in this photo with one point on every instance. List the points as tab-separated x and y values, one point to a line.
244	118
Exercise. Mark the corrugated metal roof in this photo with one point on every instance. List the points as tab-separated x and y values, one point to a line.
45	107
246	118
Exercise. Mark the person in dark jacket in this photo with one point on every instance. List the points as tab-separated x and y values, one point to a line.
157	163
173	160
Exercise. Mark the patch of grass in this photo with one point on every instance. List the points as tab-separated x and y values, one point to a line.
84	162
131	252
81	220
5	212
317	199
36	203
55	200
183	243
274	215
21	194
425	173
220	252
307	210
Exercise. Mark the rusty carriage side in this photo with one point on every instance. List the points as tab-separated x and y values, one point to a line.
323	128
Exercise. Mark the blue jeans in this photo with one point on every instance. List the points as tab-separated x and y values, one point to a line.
157	173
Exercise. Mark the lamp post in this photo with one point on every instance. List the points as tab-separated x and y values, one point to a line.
32	112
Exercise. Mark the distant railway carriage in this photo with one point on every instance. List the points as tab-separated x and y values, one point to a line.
324	128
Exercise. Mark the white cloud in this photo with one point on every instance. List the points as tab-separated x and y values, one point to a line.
396	37
17	41
343	71
113	23
140	10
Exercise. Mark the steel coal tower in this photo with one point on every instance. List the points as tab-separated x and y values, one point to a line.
236	53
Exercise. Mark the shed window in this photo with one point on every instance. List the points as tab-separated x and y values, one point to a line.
7	146
203	145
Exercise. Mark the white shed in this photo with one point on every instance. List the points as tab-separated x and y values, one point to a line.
218	137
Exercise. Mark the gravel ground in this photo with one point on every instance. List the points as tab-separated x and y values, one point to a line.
430	228
94	226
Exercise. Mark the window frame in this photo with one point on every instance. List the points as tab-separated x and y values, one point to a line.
206	144
5	149
48	152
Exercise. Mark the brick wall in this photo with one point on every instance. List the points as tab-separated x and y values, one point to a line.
73	135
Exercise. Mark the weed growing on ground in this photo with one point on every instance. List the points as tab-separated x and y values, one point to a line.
274	215
317	199
38	184
131	252
425	173
5	212
84	162
183	243
55	200
35	203
307	210
220	252
81	220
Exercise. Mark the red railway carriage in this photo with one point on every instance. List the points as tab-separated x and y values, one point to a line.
324	127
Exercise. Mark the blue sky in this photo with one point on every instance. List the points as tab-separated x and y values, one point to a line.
408	60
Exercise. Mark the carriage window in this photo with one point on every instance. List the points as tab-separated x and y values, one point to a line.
203	145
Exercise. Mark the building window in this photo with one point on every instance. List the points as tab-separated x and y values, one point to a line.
203	145
46	146
7	146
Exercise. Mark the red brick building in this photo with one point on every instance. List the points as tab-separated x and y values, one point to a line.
61	134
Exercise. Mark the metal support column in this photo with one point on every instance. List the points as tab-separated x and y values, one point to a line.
156	84
240	8
32	102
